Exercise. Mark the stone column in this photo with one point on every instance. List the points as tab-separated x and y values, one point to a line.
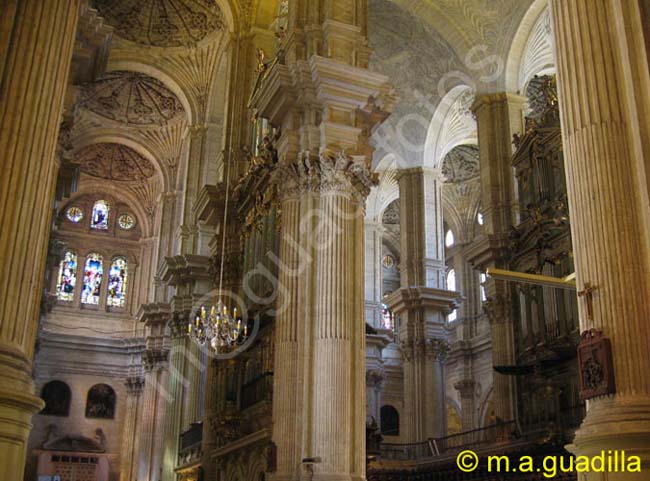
374	383
130	435
498	118
466	390
174	408
150	429
286	396
605	161
422	304
338	405
36	42
421	228
373	272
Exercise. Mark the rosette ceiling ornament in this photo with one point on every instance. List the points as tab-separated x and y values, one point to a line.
132	98
162	23
114	162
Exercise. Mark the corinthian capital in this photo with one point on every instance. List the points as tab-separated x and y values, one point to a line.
331	172
437	349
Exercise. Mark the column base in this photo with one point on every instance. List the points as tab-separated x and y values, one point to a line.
16	411
620	424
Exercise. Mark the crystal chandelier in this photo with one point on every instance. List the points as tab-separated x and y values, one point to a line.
218	327
221	329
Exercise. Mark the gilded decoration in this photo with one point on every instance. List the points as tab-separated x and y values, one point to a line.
162	23
114	162
132	98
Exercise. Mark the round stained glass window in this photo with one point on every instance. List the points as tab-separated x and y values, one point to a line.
388	261
74	214
126	221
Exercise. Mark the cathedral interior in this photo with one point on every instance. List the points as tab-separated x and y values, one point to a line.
328	240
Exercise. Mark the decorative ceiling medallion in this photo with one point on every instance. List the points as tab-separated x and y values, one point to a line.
114	162
132	98
461	164
162	23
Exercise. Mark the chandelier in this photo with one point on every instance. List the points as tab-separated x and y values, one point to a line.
219	327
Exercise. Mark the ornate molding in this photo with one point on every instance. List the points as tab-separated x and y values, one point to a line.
153	358
134	385
162	23
114	162
497	308
331	172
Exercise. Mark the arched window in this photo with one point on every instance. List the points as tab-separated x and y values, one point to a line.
100	215
100	402
389	421
451	286
67	277
482	281
56	395
117	276
480	219
386	317
93	273
449	238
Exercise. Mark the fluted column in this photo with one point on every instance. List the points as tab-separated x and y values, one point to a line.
130	435
174	408
153	414
36	42
286	391
338	416
597	49
373	272
374	383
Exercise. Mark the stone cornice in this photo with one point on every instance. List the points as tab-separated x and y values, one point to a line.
180	269
407	298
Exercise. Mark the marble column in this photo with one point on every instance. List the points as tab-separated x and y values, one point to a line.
498	118
422	304
36	42
130	435
598	47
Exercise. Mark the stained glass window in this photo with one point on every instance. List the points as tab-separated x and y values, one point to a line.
117	283
126	221
74	214
100	215
67	277
93	272
388	261
483	280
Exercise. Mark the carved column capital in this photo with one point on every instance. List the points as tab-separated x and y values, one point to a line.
134	385
331	172
437	349
465	388
375	378
153	358
497	308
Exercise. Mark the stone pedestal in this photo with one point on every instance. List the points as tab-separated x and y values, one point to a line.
36	43
598	47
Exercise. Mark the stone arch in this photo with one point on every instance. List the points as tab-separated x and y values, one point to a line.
452	124
531	51
129	139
